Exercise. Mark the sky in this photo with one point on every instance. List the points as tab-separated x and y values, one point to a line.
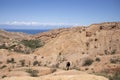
43	14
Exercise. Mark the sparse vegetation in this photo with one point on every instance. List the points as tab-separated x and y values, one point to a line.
101	27
32	43
24	46
1	62
111	74
11	61
115	60
3	46
106	52
87	44
11	47
4	66
115	76
22	62
83	52
86	69
87	62
97	59
88	34
110	52
113	51
95	47
53	70
96	39
33	73
36	63
4	76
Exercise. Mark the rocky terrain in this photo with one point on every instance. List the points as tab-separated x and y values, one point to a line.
92	50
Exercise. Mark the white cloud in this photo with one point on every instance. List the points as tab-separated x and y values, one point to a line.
20	23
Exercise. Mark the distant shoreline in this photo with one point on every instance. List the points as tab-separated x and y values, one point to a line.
28	31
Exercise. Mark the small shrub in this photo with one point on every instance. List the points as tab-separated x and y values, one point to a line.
4	66
1	62
95	47
83	29
11	47
83	52
97	59
110	52
88	34
80	31
87	44
12	60
113	26
18	50
4	76
60	54
101	27
113	51
22	62
96	39
35	57
106	52
115	60
36	63
33	73
3	47
53	70
87	62
42	57
86	69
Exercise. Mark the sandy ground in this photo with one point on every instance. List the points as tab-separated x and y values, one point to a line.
62	75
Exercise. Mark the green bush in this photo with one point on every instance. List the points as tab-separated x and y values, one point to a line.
33	73
87	62
32	43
